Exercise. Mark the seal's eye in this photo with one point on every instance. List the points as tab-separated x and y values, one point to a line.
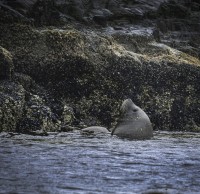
135	110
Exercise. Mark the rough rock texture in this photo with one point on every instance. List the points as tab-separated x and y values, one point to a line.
6	64
41	112
12	99
179	25
175	22
78	75
48	12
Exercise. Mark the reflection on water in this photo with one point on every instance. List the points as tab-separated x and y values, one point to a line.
73	163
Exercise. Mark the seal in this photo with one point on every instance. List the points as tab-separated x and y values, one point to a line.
94	130
133	123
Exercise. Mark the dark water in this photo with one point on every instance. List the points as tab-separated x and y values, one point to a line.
74	163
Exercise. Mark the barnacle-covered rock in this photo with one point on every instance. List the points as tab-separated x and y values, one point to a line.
77	76
12	99
37	116
6	64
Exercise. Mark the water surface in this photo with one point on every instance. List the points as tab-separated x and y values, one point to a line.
76	163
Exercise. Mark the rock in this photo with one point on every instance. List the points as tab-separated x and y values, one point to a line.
50	12
44	13
91	69
101	16
6	64
76	9
173	9
26	81
67	128
117	70
22	5
12	99
67	115
37	117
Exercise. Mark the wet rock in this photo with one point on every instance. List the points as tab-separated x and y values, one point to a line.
6	64
14	12
67	117
12	99
181	25
67	128
76	9
173	9
101	16
37	117
26	81
44	13
77	75
51	12
123	65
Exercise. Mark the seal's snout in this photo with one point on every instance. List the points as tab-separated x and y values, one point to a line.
127	104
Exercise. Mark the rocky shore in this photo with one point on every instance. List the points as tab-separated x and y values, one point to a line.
65	65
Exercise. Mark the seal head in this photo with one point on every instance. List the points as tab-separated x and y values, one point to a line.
133	123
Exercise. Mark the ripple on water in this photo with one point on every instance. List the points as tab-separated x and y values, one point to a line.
73	163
